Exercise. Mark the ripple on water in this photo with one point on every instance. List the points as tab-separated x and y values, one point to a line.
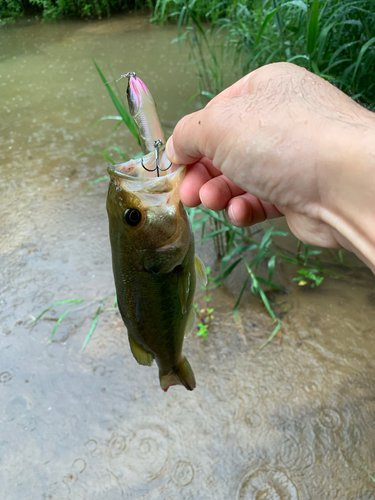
76	469
266	484
343	428
330	419
116	445
253	419
183	473
295	453
91	447
93	482
147	450
58	491
224	385
5	377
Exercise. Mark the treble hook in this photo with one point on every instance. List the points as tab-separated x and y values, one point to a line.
157	168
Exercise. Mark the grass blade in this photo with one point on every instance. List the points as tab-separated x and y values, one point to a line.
119	118
99	179
93	326
271	268
360	56
235	309
267	19
273	335
219	280
59	321
312	28
128	120
214	233
77	301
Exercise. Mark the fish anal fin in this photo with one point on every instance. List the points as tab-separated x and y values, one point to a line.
143	357
190	324
182	375
200	269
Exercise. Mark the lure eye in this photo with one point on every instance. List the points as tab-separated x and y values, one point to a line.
133	216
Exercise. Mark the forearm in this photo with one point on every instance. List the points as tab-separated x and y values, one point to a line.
348	187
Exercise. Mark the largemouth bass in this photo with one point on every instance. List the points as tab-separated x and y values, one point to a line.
142	108
154	265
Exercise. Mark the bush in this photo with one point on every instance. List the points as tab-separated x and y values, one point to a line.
333	38
53	9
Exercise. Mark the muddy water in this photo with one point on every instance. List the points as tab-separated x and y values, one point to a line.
294	421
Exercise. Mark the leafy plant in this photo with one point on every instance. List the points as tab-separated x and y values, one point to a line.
258	252
205	315
332	38
309	277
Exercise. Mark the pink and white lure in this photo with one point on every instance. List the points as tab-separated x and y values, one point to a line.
142	108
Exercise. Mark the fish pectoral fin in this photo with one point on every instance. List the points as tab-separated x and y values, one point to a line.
200	269
190	324
143	357
183	288
182	375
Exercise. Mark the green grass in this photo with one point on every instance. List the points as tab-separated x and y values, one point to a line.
332	38
71	308
369	474
258	252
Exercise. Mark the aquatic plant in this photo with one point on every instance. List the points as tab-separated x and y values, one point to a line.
331	38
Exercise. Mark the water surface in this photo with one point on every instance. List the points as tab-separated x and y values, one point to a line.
294	421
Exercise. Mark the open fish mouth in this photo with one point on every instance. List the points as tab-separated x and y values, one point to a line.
139	175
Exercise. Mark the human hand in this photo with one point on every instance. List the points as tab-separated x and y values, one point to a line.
280	141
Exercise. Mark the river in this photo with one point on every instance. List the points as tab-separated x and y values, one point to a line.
293	421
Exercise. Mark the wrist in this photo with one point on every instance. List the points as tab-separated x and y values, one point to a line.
347	186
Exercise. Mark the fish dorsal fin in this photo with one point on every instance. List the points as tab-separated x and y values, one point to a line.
184	284
200	270
143	357
190	324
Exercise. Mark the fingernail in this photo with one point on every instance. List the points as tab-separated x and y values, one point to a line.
169	150
231	214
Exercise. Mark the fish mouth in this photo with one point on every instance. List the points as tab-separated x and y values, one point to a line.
135	175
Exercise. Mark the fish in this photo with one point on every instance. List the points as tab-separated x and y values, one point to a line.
142	108
154	264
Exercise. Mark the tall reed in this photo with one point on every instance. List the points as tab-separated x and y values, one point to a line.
333	38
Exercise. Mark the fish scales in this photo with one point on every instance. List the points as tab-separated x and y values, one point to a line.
153	256
154	262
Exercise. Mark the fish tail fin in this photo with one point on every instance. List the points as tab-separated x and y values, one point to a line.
182	375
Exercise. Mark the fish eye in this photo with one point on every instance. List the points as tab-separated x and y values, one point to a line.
133	216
